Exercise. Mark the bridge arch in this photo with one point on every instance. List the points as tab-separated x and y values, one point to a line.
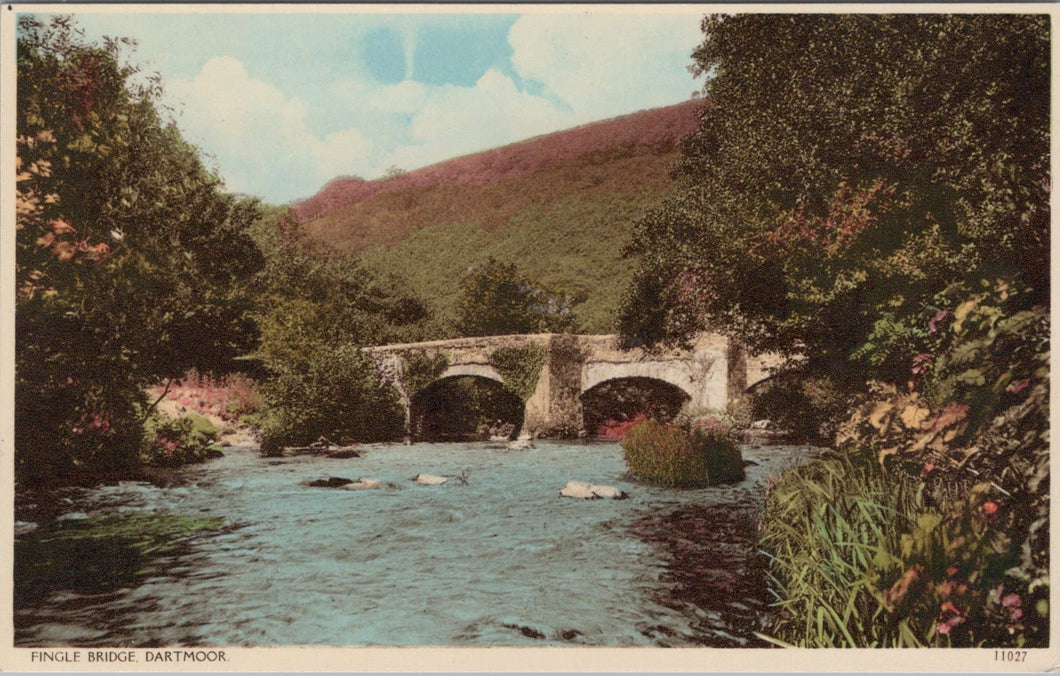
625	397
474	370
462	406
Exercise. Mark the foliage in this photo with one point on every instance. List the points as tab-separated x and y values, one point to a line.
309	296
977	411
496	300
129	258
847	170
729	421
98	554
673	456
421	370
808	407
316	313
333	391
862	561
171	442
520	367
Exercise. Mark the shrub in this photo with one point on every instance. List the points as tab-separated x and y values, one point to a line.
336	393
673	456
171	442
230	397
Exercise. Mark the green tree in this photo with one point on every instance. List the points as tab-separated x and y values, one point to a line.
316	311
847	170
129	258
497	300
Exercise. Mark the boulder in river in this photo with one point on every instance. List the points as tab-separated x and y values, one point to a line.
330	482
363	484
586	491
520	444
430	480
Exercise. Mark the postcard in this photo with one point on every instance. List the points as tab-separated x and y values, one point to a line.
564	337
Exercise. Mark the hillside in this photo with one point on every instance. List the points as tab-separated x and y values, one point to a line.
560	206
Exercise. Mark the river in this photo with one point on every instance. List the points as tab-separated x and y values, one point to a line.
498	560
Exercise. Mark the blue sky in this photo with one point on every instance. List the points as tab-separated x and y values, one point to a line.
283	102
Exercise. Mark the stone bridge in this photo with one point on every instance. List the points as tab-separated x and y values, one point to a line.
711	374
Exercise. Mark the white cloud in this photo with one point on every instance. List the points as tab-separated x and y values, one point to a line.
281	147
604	65
459	120
259	137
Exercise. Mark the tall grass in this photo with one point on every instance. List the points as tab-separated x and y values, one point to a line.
833	527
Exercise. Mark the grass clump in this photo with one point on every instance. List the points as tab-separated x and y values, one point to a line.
681	457
171	442
862	557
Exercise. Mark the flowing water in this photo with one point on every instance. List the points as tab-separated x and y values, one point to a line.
498	560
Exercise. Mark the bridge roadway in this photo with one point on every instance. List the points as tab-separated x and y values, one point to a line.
711	373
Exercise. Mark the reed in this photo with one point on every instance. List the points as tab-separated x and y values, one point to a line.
833	527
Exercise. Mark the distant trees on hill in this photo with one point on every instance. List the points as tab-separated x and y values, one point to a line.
495	299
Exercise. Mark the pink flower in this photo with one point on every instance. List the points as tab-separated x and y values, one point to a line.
949	617
921	364
940	316
1014	605
1019	385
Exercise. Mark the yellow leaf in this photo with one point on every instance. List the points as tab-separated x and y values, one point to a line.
886	452
880	412
914	415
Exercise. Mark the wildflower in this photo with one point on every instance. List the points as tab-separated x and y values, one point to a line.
1014	605
62	227
921	364
1019	385
990	508
949	617
940	316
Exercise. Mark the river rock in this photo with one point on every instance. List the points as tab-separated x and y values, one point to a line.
330	482
363	484
343	453
522	443
430	480
609	492
586	491
577	489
